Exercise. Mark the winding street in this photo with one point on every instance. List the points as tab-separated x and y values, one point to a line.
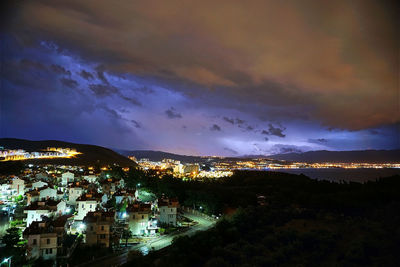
203	223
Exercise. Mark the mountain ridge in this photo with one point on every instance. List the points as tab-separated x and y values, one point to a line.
357	156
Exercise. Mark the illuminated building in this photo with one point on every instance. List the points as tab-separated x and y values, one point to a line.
168	209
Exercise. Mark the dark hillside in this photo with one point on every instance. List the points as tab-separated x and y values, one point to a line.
91	154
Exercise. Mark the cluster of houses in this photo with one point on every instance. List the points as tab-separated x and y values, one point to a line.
95	206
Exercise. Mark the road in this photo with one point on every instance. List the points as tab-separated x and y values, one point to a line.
156	244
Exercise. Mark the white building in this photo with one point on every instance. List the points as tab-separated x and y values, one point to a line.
88	202
5	192
91	178
47	193
168	209
49	208
18	185
74	193
66	178
39	184
138	216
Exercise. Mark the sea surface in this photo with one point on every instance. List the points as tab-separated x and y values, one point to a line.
347	175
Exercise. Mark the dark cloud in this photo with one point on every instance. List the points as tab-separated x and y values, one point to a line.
60	70
173	114
100	74
318	141
69	82
283	149
136	124
277	131
102	90
231	121
245	127
112	112
230	150
215	127
86	75
131	100
239	121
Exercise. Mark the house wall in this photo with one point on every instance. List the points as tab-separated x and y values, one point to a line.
138	222
73	195
36	215
168	215
84	207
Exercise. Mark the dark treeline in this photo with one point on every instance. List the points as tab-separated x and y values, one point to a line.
302	222
280	189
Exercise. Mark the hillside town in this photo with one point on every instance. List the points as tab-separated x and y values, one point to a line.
48	153
55	208
217	167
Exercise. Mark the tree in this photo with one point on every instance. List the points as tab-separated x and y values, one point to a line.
126	234
11	238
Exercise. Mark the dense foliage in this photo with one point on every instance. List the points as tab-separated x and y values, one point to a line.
302	222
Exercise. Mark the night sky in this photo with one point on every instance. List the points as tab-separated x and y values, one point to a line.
203	77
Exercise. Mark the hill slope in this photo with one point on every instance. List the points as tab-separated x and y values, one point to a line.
368	156
91	154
